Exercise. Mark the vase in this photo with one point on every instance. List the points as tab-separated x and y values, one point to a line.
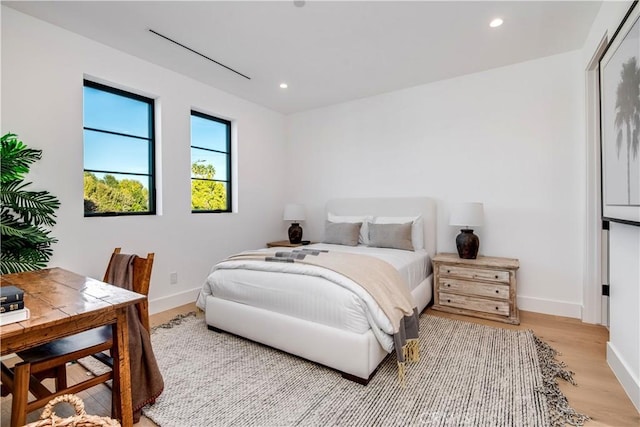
467	244
295	233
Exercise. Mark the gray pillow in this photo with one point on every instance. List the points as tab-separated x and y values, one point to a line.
342	233
396	236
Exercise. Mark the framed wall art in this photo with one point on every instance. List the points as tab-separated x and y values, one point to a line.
620	122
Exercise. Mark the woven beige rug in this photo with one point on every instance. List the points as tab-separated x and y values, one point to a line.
469	375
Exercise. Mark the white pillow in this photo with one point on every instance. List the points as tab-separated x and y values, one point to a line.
363	239
417	227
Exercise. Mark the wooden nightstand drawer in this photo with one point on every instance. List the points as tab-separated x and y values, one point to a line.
474	288
477	304
475	273
484	287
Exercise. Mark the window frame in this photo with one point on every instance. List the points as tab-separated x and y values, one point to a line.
151	141
228	154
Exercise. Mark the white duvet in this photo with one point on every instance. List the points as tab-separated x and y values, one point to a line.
313	293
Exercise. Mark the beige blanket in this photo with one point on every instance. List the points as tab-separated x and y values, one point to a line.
379	278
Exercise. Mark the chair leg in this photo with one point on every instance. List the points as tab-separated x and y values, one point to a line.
61	377
6	376
20	394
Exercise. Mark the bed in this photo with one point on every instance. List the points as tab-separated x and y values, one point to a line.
310	317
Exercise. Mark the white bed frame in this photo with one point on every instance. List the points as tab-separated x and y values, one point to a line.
356	356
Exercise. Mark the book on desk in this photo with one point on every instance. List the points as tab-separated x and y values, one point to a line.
6	307
12	307
11	294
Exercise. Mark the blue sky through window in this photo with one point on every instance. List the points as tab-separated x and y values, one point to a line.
111	112
103	151
115	113
208	134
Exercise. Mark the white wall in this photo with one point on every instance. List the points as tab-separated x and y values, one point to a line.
510	137
42	71
623	348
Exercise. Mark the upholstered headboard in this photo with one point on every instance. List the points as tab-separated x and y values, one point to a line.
392	206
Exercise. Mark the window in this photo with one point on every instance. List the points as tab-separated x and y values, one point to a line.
210	164
118	152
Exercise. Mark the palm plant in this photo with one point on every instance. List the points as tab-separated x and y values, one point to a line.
25	216
628	113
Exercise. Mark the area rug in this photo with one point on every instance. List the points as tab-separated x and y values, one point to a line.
468	375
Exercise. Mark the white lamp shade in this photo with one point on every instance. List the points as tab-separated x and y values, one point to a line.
467	214
294	212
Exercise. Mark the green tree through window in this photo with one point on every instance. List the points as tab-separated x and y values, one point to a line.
206	194
110	195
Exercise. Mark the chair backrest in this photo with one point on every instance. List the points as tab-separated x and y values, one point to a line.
141	281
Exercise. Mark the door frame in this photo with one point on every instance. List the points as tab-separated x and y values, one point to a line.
595	306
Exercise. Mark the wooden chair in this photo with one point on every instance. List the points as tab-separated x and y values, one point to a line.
49	360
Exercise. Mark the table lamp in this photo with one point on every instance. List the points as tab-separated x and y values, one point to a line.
294	212
467	215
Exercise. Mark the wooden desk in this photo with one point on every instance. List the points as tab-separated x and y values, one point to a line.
64	303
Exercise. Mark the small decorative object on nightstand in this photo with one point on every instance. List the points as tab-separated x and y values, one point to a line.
467	215
484	287
294	212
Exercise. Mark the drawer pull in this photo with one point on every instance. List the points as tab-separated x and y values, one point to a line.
448	285
448	300
497	291
496	276
497	308
448	271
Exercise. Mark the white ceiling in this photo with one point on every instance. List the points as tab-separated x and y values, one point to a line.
327	52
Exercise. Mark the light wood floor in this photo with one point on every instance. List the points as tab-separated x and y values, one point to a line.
582	347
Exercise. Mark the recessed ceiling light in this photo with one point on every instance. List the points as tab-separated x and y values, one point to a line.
496	23
283	85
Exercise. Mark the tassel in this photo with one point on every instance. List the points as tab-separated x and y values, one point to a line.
413	350
401	374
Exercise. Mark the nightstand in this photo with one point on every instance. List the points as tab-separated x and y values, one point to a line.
484	287
283	243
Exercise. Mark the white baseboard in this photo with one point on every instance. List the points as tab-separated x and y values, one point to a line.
538	305
171	301
622	372
547	306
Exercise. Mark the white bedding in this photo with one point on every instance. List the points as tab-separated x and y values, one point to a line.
313	297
